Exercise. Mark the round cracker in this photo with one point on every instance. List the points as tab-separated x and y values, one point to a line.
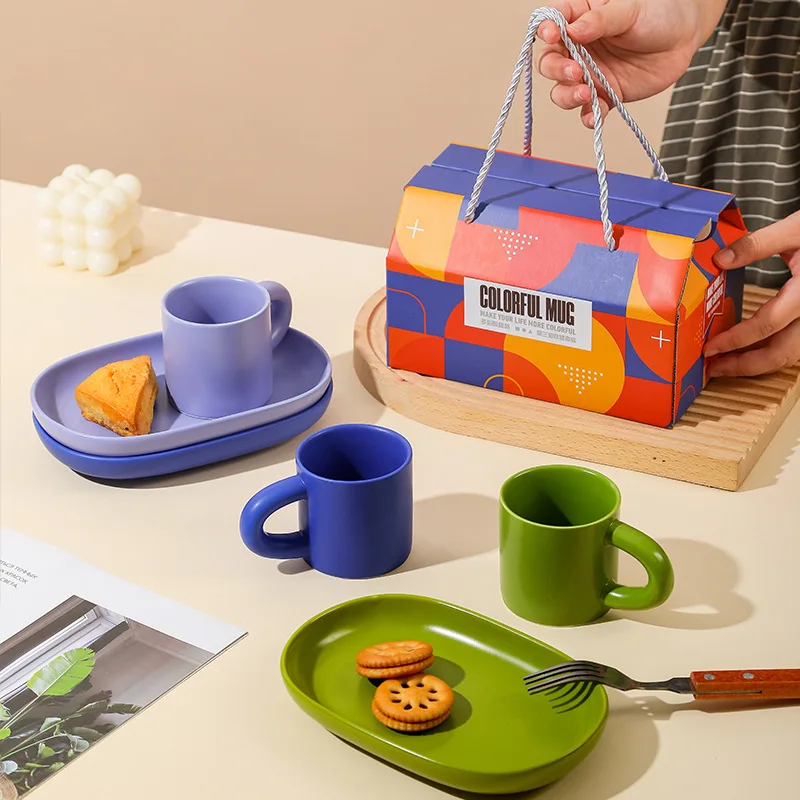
407	727
394	654
395	672
414	699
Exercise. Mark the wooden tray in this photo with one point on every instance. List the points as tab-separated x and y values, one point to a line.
716	443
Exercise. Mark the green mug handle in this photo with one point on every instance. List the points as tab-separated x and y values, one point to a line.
660	576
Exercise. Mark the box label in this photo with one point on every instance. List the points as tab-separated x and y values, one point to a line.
715	300
528	313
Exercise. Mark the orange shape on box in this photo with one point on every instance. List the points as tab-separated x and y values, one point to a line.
527	379
638	307
581	378
615	325
694	292
416	352
659	279
671	246
397	262
655	345
425	227
645	401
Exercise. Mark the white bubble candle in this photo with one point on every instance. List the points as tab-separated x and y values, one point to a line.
90	220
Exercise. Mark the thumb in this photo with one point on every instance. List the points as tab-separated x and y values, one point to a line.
612	19
769	241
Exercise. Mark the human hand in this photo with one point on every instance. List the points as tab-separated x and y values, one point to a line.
770	339
641	46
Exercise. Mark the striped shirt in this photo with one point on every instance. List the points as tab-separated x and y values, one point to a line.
734	118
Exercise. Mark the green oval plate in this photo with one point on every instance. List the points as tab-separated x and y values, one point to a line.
497	740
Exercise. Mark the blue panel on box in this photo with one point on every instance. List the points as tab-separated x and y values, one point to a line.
661	220
405	311
424	300
509	166
471	363
635	367
645	191
657	194
702	201
501	199
596	274
691	385
583	180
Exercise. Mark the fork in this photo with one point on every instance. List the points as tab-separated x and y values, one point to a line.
576	676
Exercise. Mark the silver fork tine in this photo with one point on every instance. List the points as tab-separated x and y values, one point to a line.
567	666
563	673
563	680
565	677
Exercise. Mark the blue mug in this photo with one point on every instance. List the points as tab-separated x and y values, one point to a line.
355	495
219	333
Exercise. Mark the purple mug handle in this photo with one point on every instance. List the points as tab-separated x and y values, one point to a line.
280	303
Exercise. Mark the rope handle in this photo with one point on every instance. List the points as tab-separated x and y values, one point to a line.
582	57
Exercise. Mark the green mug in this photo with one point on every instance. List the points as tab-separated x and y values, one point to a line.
560	537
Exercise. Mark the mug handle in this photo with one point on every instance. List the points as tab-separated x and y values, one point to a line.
280	303
260	507
660	576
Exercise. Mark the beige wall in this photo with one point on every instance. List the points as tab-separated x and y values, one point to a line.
308	116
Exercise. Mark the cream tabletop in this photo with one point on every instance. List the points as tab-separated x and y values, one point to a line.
231	730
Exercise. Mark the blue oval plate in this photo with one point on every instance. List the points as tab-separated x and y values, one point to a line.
191	456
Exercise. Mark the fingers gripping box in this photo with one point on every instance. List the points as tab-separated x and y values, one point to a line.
528	299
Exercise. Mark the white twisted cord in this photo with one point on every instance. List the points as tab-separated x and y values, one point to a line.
525	56
612	96
581	56
526	144
624	113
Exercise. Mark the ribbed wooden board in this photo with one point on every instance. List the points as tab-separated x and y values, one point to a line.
716	443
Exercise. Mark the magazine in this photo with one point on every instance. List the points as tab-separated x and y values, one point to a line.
81	652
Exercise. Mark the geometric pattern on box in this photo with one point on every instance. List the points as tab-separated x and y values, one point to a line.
527	298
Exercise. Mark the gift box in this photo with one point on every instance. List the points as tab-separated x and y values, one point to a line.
527	297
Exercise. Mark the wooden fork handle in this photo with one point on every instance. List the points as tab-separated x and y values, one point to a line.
774	684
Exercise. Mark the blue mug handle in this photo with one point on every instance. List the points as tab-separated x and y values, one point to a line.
260	507
280	303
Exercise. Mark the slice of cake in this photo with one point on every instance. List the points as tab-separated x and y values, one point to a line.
120	396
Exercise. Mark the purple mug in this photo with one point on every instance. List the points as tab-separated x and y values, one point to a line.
219	333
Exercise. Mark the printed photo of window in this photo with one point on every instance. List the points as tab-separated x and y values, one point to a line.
73	676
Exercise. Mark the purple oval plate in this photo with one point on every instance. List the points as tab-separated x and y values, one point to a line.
301	374
212	451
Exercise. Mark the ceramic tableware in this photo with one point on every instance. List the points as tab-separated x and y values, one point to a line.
354	489
497	739
301	375
199	454
219	333
560	536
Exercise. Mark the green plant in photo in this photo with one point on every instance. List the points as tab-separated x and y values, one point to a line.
34	741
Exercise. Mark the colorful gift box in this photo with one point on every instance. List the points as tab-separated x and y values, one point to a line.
577	286
528	299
